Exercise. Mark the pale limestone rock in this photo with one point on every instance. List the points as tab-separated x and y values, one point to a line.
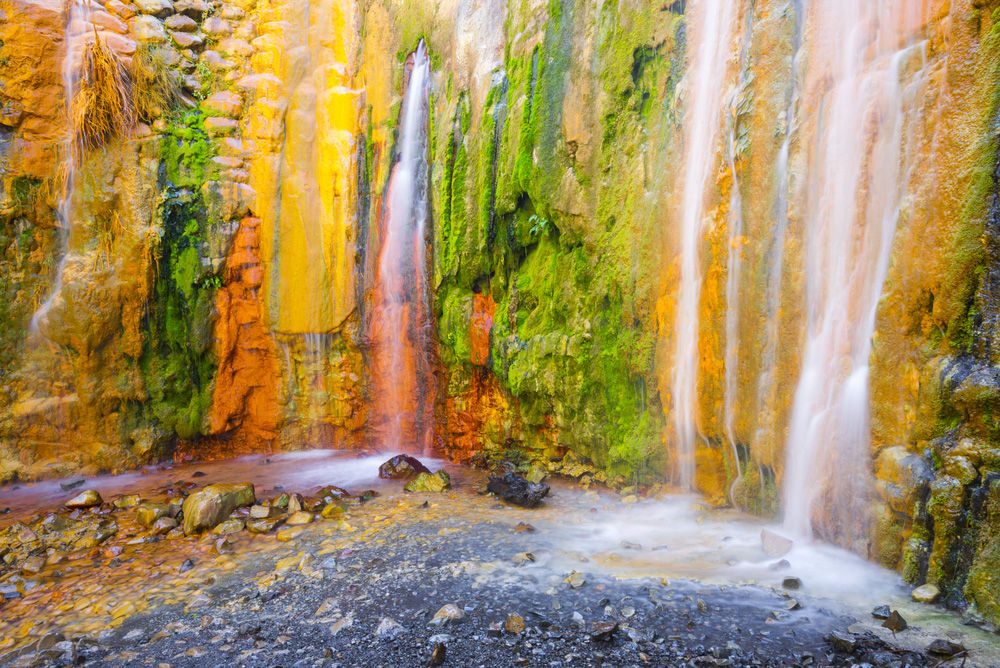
774	545
120	9
234	47
106	21
211	505
217	27
223	103
146	28
927	593
181	23
158	8
195	9
187	40
215	61
233	13
120	44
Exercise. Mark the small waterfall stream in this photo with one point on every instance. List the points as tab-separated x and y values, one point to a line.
713	24
400	319
859	79
78	31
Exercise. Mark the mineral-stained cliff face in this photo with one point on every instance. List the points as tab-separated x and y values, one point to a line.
211	291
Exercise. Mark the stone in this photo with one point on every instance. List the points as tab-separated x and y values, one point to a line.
575	580
294	504
181	23
290	533
187	40
263	524
229	201
158	8
401	467
895	622
33	565
514	623
927	593
448	614
163	525
437	654
85	499
429	482
332	510
332	493
780	565
126	501
147	29
216	62
843	642
215	126
514	489
217	27
185	566
299	517
523	527
120	9
72	483
223	103
106	21
234	47
603	631
232	525
791	583
774	545
258	512
945	648
211	505
195	9
389	628
881	612
495	630
147	513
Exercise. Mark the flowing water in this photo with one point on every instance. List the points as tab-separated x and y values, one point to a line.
399	324
712	25
863	80
78	32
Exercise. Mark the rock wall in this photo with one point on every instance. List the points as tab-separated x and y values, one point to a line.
216	274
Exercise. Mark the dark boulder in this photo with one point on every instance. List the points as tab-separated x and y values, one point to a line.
402	466
512	488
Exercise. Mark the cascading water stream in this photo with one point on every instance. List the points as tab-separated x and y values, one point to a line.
858	119
399	322
78	31
711	26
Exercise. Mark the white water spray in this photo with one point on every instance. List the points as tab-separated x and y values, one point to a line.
78	32
711	26
856	184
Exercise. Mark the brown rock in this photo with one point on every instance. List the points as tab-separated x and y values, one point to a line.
217	27
300	517
187	40
147	513
181	23
108	22
147	28
158	8
85	499
195	9
163	525
120	9
209	506
514	623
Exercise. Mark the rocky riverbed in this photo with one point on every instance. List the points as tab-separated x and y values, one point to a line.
394	578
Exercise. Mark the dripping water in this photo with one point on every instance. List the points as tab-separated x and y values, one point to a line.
78	27
712	24
400	320
857	186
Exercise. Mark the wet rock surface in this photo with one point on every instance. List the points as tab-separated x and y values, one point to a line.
514	489
397	581
401	466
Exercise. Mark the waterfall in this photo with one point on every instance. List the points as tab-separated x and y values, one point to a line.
711	27
855	112
399	324
78	31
